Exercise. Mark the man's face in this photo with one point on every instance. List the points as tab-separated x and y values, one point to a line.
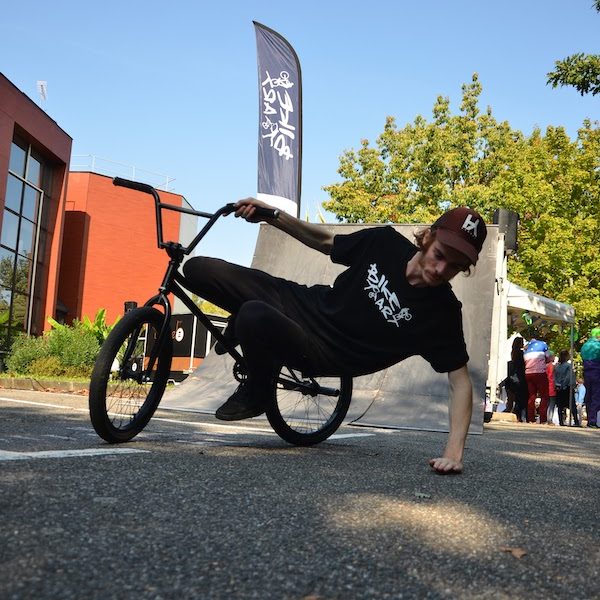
440	263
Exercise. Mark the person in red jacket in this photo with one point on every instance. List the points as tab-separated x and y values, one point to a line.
551	389
536	357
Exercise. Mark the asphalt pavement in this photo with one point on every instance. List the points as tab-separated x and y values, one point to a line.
196	508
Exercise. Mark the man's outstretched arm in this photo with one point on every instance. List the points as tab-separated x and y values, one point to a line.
460	407
313	236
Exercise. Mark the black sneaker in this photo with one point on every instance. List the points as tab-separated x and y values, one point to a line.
241	405
229	336
593	426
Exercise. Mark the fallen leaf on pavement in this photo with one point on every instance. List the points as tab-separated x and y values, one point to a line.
516	552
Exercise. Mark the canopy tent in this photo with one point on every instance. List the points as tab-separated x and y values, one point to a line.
522	303
519	310
524	309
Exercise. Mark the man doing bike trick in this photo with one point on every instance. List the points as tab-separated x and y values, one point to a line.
393	301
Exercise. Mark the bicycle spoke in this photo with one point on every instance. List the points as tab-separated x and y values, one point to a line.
302	410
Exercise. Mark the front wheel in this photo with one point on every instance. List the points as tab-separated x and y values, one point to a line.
307	410
130	375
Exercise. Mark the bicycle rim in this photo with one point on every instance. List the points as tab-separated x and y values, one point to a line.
130	376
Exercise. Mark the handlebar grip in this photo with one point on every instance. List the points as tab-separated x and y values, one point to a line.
259	211
133	185
266	213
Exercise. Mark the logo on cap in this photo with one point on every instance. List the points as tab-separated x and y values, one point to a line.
470	226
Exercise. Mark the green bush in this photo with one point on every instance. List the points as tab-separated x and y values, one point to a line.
74	346
62	352
46	366
50	366
99	327
24	351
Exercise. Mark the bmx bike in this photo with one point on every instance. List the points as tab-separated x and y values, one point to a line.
132	369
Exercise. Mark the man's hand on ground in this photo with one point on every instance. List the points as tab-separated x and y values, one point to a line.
446	466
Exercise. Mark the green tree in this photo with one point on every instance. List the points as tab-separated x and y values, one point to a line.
415	169
582	71
551	181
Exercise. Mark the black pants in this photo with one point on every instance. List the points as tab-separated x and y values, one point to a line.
270	331
563	400
520	402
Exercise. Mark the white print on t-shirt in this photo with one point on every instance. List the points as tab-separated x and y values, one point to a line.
385	300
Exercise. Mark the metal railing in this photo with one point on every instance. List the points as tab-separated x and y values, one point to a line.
105	166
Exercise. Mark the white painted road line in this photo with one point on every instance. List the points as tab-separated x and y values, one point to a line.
224	428
43	404
339	436
178	421
218	425
5	455
253	430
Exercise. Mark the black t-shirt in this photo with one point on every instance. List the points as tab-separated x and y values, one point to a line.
372	318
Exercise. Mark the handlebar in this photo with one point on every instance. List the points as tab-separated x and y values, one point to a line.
259	211
133	185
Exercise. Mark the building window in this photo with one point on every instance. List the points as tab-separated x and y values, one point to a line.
22	236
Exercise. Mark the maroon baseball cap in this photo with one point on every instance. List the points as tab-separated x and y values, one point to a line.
463	229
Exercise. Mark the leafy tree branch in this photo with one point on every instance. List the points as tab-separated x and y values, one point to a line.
582	71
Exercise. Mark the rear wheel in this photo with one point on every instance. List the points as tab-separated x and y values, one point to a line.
130	375
307	410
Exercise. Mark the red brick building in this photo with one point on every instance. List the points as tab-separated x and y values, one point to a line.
109	252
34	163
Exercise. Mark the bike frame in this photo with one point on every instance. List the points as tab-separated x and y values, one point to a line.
173	281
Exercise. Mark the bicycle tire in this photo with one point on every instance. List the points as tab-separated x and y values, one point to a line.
122	399
302	416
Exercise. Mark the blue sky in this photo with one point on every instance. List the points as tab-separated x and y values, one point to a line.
171	87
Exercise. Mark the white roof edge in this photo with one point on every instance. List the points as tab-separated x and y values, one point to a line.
521	299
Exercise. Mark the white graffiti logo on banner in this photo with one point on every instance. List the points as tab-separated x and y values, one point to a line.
281	131
386	301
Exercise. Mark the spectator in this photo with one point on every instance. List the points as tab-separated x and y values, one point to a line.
590	353
564	379
579	399
515	384
536	357
551	388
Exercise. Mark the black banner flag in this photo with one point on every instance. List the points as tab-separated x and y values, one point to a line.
280	121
